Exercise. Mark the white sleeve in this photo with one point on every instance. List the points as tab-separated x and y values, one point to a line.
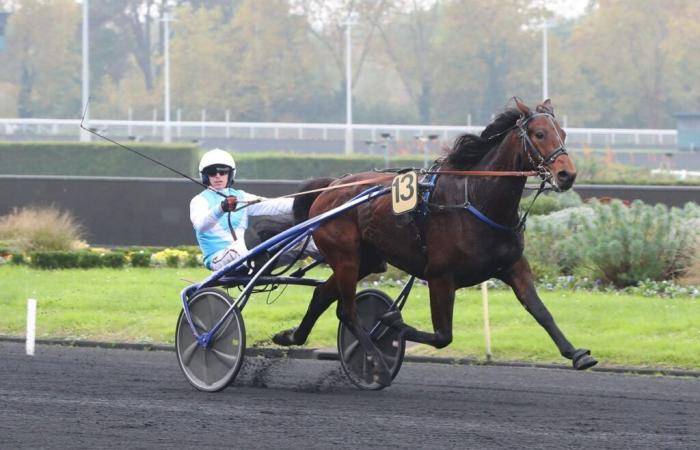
269	206
202	217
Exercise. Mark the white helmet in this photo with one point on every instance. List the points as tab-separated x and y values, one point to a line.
217	157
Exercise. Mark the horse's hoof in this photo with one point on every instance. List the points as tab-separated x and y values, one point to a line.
285	338
380	371
583	360
382	378
392	318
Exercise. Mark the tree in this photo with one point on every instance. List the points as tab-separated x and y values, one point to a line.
326	21
270	70
226	7
407	30
684	59
622	53
486	55
42	56
199	71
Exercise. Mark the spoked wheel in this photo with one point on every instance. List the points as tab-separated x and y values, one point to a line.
210	369
371	304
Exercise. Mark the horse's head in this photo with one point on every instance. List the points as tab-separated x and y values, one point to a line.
543	142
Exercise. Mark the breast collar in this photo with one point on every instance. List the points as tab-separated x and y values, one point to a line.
427	186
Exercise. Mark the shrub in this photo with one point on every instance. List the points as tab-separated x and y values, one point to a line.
114	260
54	260
193	261
18	259
549	240
392	274
691	275
172	261
625	245
40	229
140	259
89	260
548	203
170	257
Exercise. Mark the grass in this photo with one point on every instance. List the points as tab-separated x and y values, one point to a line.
142	305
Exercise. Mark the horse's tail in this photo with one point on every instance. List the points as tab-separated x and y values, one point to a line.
303	203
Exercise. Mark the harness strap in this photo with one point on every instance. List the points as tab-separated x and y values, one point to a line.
483	217
420	216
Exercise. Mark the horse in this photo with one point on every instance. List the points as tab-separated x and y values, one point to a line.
459	242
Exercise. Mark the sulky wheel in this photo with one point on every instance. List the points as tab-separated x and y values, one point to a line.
371	304
210	369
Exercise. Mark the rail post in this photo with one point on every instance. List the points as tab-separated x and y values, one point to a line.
31	326
487	325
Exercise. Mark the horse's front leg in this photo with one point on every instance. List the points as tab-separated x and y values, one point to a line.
442	297
520	278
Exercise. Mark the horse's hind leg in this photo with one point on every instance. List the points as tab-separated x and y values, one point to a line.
323	296
520	278
442	296
346	271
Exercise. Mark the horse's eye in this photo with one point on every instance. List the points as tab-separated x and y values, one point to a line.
539	135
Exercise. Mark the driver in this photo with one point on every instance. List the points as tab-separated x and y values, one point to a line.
219	228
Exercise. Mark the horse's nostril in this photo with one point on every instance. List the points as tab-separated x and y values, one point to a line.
565	177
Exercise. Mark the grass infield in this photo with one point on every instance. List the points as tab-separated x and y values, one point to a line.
142	305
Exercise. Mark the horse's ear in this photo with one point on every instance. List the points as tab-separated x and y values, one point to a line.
522	107
546	107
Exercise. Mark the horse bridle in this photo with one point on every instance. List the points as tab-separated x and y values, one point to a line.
531	149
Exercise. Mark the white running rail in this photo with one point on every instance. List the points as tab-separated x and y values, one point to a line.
68	129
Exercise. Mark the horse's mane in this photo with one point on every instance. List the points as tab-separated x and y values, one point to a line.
469	149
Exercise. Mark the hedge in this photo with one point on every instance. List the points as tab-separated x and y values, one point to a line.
281	166
73	259
106	159
95	159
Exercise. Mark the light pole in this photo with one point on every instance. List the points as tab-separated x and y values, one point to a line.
348	83
425	142
166	54
545	50
85	135
386	137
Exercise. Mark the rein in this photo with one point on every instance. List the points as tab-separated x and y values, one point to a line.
474	173
483	173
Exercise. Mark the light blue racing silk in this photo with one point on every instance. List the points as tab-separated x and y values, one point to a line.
211	223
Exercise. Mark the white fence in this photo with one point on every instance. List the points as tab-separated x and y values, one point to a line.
68	129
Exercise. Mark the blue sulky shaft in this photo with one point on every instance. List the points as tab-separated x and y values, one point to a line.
280	244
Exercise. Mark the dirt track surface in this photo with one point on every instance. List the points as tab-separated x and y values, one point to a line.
96	398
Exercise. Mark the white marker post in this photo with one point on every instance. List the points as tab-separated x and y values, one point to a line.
31	325
487	325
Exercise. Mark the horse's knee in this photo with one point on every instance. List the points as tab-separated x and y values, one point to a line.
340	314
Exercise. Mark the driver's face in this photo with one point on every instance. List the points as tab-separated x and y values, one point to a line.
218	180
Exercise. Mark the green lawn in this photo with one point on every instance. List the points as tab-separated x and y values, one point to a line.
142	305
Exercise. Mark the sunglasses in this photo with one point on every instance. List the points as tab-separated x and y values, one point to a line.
217	170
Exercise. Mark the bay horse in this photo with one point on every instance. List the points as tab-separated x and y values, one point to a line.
460	242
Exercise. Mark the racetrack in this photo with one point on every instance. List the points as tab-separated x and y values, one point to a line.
68	397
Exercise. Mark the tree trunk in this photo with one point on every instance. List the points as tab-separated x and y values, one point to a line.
425	102
142	37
